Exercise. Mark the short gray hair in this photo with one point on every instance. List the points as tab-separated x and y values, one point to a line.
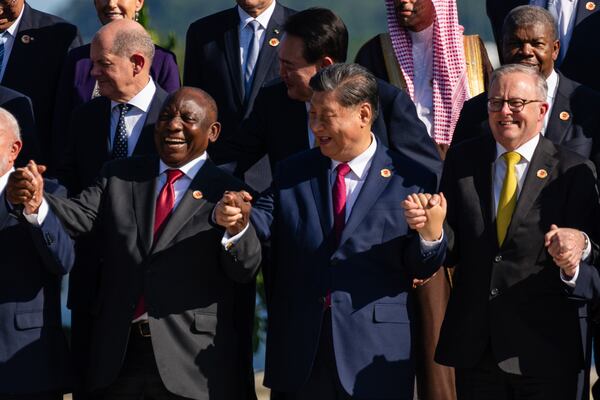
352	83
540	81
523	16
9	123
128	42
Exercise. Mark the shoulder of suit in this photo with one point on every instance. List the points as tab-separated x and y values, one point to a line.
218	21
92	106
79	53
42	19
8	94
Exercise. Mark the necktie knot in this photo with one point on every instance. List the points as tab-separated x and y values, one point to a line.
124	108
343	169
254	25
173	175
512	158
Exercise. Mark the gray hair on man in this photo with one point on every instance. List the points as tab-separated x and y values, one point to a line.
507	69
9	124
128	42
352	83
526	16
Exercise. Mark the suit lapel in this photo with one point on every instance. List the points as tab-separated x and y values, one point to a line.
143	194
321	190
204	181
374	185
268	51
561	117
483	180
145	143
12	73
543	159
99	140
232	54
582	11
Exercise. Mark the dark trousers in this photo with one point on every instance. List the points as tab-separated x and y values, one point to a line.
139	378
488	382
33	396
81	342
323	383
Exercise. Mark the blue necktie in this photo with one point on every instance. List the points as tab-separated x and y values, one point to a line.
2	50
119	149
251	58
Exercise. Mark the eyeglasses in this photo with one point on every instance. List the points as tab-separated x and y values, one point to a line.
515	105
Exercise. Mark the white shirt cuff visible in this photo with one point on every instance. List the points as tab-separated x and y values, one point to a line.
229	241
430	245
570	282
39	218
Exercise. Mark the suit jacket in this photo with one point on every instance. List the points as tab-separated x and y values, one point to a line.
573	122
369	275
583	55
212	63
197	294
77	85
20	107
35	64
278	127
511	299
34	356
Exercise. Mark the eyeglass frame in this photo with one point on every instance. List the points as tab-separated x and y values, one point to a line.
524	102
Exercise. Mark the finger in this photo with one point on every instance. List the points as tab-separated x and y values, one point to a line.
423	199
434	200
553	227
443	202
229	210
245	195
550	236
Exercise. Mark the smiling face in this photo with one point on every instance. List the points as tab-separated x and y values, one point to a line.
415	15
9	12
185	126
254	7
343	133
512	129
294	70
110	10
531	45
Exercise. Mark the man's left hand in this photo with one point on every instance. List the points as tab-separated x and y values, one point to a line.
566	246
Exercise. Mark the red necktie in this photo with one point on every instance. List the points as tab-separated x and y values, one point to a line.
339	209
164	206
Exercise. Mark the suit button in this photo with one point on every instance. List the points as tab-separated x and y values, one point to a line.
498	258
494	292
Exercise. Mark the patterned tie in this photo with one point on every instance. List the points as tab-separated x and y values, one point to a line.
164	205
339	201
2	41
508	195
120	141
251	58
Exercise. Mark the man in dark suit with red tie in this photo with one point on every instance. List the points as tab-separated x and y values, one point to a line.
170	318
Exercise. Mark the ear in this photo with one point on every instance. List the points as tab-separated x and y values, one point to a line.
14	151
213	131
138	61
139	4
555	50
366	114
543	110
326	61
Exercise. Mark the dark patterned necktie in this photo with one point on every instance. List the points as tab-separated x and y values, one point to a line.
119	149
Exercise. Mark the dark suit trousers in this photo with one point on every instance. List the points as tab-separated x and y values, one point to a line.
488	382
139	377
323	383
33	396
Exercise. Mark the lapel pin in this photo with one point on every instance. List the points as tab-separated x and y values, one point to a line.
542	173
197	194
274	42
276	31
26	39
564	116
590	6
386	173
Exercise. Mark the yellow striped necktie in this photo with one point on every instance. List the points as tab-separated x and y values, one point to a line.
508	195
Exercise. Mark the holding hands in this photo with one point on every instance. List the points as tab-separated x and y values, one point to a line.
425	213
566	247
26	187
232	212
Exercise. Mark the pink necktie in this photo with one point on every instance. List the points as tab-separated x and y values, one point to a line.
164	206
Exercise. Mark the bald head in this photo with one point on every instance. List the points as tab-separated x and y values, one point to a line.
122	53
10	141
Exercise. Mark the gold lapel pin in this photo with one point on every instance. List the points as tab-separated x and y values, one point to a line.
274	42
197	194
386	173
564	116
590	6
542	173
26	39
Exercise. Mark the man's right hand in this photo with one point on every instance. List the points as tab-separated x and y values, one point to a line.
232	212
425	213
26	186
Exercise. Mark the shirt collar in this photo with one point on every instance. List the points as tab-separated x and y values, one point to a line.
190	169
142	100
263	18
4	180
14	28
360	164
552	82
526	150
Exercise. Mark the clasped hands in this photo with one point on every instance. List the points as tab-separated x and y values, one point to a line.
232	212
566	247
26	187
425	213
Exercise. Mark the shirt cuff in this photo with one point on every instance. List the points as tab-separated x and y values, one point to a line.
229	241
588	247
430	245
570	282
39	218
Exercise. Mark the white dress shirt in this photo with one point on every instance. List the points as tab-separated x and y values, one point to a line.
134	119
564	12
422	52
552	82
246	31
4	181
8	39
180	185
